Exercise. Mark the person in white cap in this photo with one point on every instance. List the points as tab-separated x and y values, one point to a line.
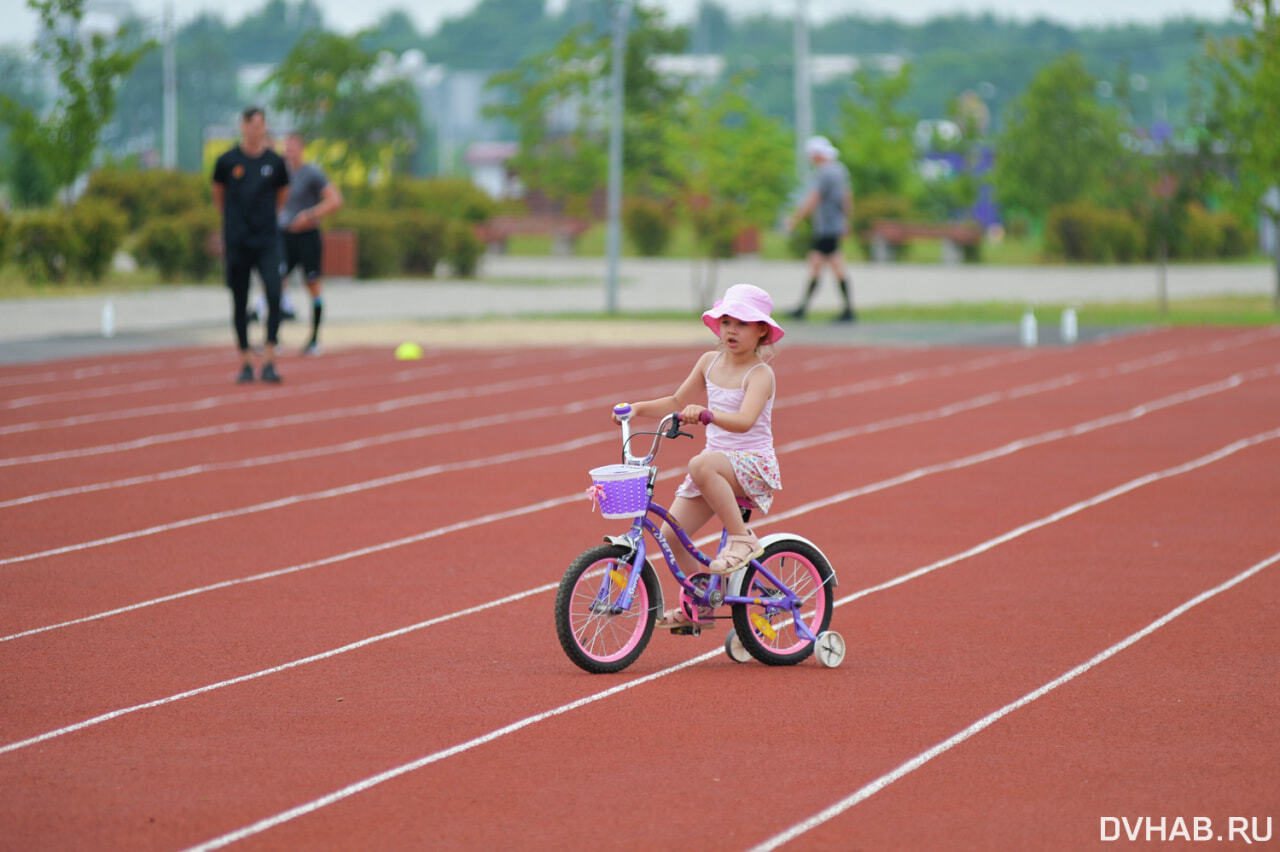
830	200
738	463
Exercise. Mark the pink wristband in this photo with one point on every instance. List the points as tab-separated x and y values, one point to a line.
706	418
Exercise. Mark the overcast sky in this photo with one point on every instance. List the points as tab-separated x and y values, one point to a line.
17	22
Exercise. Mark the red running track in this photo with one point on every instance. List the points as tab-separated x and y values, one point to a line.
319	615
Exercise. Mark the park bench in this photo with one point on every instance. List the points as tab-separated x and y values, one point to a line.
887	235
564	232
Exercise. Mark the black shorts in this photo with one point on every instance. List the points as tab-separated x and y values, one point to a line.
303	249
826	245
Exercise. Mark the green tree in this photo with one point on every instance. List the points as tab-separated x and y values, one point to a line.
1247	108
348	97
875	141
1060	143
558	109
64	138
557	120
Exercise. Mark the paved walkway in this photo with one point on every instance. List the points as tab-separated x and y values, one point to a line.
34	329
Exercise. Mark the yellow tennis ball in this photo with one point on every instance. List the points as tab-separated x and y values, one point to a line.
408	352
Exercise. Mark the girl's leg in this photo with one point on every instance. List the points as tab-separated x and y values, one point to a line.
713	473
692	513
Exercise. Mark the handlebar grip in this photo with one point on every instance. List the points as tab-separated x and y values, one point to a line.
705	417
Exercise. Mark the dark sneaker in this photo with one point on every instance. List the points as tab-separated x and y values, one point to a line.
848	315
312	348
269	373
798	313
246	375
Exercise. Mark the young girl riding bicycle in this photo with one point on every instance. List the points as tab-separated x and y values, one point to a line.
738	466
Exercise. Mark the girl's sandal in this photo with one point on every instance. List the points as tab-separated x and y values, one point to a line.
738	551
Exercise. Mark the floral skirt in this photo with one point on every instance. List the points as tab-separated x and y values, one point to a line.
757	472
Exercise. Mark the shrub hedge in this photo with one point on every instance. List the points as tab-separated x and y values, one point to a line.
1083	231
99	227
166	245
44	245
649	224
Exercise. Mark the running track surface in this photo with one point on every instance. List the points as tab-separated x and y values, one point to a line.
320	615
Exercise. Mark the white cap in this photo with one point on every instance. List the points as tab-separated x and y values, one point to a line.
820	146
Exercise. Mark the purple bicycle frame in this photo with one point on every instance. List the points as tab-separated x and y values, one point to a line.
636	535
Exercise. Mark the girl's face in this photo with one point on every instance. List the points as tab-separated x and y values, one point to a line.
738	336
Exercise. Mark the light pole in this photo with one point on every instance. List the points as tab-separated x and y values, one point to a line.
169	148
804	104
613	237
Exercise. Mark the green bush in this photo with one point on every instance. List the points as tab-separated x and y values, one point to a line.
44	245
800	240
6	233
715	225
1199	237
422	239
1237	240
201	225
464	249
100	228
1083	231
648	223
452	198
165	245
1208	235
145	194
379	251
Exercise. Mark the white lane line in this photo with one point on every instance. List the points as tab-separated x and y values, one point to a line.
394	404
867	791
431	366
211	402
910	476
500	419
395	772
328	493
864	386
983	547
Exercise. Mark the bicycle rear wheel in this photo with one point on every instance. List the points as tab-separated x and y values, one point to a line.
593	632
769	634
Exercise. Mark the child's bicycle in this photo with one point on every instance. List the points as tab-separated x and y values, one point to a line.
610	598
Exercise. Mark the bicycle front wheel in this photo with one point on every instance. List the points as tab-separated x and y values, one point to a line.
768	633
594	633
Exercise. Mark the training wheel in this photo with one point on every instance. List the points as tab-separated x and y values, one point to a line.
735	649
829	648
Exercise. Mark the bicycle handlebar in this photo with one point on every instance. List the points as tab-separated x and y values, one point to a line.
668	427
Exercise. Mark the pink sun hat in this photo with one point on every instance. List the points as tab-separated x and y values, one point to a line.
747	303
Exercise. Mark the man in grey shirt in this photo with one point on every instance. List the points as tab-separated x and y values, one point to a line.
830	200
311	198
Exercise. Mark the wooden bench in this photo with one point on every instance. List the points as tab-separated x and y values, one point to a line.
495	232
959	239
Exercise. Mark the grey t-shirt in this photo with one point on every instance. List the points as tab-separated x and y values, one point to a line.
306	189
831	180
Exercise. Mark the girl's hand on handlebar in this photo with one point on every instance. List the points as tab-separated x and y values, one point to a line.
692	413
